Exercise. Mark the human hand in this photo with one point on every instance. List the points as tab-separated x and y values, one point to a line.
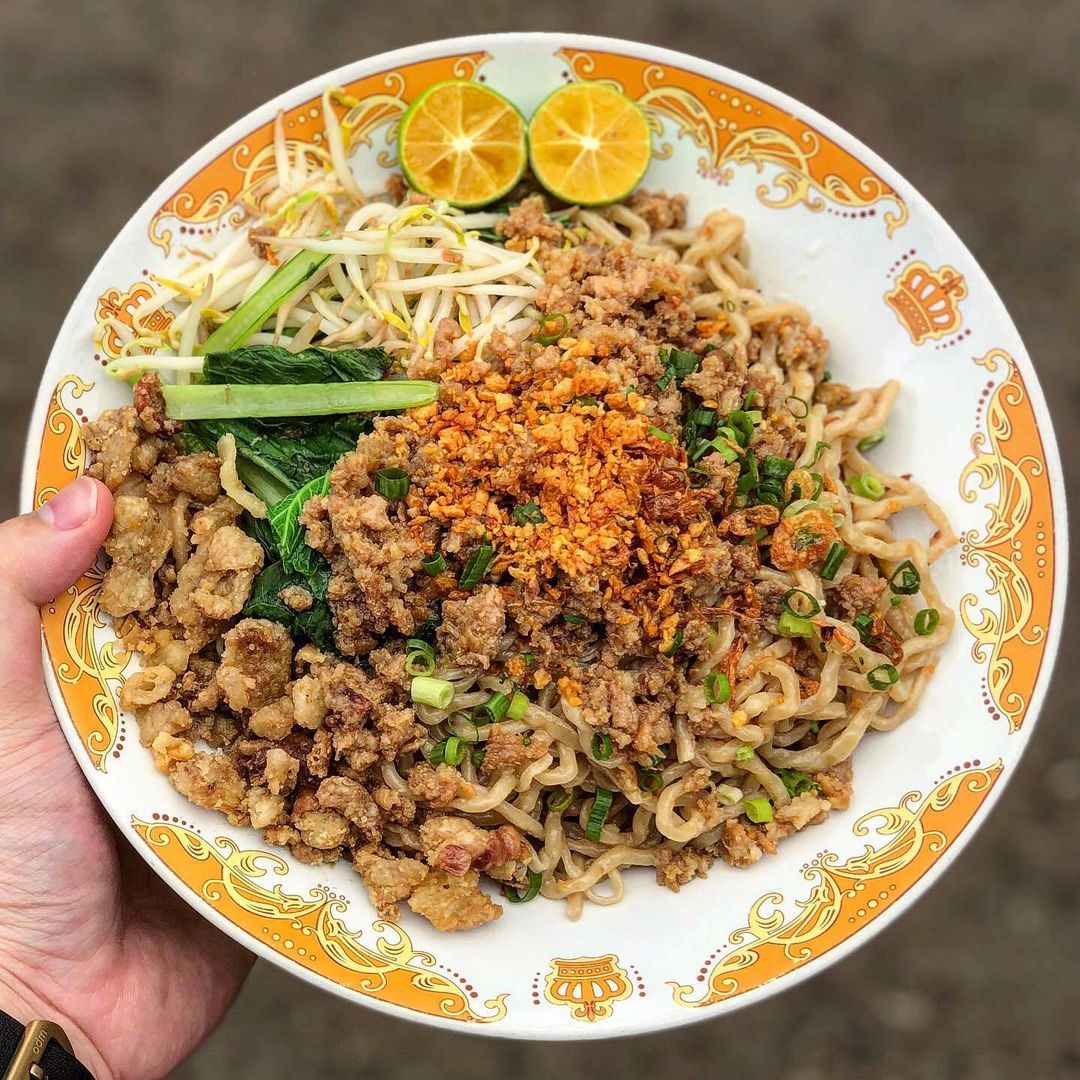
89	936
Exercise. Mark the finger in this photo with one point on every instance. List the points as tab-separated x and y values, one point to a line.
41	554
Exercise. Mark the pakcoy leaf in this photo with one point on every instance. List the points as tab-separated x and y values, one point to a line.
289	534
272	364
315	625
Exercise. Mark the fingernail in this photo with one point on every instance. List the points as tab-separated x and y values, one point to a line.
73	506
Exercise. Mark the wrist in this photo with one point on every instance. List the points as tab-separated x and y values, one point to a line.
23	1004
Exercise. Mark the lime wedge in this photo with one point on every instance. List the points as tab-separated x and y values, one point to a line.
589	144
462	142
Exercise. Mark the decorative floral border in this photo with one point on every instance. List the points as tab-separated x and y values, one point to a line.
311	931
1008	474
846	896
733	127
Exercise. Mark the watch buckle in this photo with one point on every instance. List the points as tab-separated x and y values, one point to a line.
26	1064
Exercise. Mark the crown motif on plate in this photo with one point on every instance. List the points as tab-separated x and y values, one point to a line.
927	301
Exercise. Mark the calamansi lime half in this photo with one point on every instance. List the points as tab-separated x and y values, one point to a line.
589	144
462	142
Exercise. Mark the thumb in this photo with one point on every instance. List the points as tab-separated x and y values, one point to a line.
42	554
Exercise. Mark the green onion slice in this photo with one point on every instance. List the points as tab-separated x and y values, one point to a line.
450	751
477	566
492	710
744	753
650	780
797	406
519	705
867	486
801	603
478	756
926	621
419	657
531	891
676	644
598	814
558	801
717	688
528	514
438	693
865	626
776	468
434	565
575	620
791	625
868	442
758	809
836	554
905	579
660	433
392	483
547	336
881	678
602	746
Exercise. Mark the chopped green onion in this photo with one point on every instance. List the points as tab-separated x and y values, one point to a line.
802	604
602	746
717	688
548	337
776	468
526	739
598	814
748	400
478	756
419	657
827	377
836	554
433	564
819	484
676	644
758	809
743	426
728	453
438	693
800	408
896	601
926	621
530	893
584	399
231	401
744	753
865	625
519	705
798	506
727	794
450	751
794	626
477	566
798	783
868	442
262	303
558	801
868	486
660	433
492	710
650	780
755	416
818	447
815	727
882	677
750	476
392	483
577	620
905	579
528	514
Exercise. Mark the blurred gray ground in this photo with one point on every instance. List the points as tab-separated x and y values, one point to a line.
977	104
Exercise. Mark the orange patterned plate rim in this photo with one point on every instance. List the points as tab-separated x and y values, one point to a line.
831	225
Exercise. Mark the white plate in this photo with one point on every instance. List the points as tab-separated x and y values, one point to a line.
899	295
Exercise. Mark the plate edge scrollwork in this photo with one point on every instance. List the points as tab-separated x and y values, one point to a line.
1007	475
784	142
311	931
845	895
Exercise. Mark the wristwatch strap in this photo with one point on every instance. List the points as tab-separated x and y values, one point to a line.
38	1051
